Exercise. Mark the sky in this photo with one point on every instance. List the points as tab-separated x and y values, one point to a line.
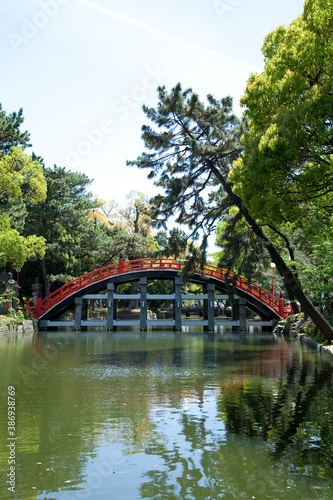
82	69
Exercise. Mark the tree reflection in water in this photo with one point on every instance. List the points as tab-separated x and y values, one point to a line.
296	417
288	419
178	416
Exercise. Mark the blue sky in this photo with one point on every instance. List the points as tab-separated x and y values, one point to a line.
82	69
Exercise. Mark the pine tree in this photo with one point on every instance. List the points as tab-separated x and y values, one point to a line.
194	146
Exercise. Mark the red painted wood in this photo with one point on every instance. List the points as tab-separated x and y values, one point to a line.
123	267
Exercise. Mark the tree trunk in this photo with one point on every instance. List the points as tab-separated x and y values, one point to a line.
292	257
291	281
285	272
46	279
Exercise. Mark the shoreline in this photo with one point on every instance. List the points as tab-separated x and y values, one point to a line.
323	349
26	326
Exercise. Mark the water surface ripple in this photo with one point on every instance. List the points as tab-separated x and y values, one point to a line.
164	415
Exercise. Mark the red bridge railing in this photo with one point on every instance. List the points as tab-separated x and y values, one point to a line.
132	266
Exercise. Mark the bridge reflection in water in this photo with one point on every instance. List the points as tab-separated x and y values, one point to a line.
102	284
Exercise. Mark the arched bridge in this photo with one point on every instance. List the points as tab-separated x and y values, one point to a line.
217	284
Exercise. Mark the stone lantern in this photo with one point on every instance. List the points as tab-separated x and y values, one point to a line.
36	291
8	288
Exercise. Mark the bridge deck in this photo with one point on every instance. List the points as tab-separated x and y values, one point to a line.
99	279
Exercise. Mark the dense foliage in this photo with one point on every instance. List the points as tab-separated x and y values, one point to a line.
51	227
285	173
287	164
258	195
79	237
249	181
22	184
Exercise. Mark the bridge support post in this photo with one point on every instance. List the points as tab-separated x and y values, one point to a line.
178	304
242	313
239	313
143	303
210	307
110	307
78	313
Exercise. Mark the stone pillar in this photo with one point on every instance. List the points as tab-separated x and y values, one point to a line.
78	313
239	312
235	311
81	313
210	307
84	313
115	305
242	313
178	304
143	303
110	307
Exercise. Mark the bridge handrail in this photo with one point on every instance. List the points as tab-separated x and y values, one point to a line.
123	267
244	284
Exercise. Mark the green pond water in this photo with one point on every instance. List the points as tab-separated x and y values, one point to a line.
164	415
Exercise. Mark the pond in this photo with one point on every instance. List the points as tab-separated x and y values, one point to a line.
164	415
